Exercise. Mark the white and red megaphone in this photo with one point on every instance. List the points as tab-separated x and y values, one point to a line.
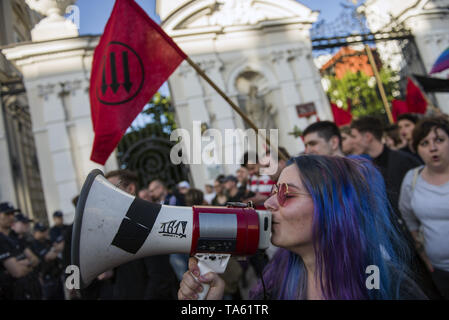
112	227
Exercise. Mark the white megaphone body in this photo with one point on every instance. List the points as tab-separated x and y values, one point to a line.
112	227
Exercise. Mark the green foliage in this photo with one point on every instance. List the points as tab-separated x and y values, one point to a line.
363	92
156	120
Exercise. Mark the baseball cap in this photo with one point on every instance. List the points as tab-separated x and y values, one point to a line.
23	218
184	184
7	207
57	213
40	227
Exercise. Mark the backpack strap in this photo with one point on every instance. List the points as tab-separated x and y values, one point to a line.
416	173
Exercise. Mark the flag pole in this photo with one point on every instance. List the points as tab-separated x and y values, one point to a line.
232	104
379	83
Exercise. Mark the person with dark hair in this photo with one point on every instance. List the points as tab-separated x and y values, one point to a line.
57	232
330	216
50	267
17	270
406	123
259	185
150	278
346	140
323	138
194	197
392	139
233	193
393	165
277	162
220	193
367	132
159	194
424	198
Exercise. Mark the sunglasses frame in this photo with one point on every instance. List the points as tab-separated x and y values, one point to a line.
282	196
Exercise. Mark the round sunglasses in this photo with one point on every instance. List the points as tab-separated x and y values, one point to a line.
283	193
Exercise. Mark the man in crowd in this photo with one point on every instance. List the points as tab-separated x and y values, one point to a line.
234	194
150	278
367	132
258	183
406	123
57	232
159	194
183	187
323	138
144	194
50	267
347	143
17	279
209	193
278	163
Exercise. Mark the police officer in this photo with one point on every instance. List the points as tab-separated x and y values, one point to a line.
50	263
16	269
57	232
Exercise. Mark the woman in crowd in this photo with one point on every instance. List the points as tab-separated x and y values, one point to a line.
331	219
424	198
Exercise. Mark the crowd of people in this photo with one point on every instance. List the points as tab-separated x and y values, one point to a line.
406	181
363	194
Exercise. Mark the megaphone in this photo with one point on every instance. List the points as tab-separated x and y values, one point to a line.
112	227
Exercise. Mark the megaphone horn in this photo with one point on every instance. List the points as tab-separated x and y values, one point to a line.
112	227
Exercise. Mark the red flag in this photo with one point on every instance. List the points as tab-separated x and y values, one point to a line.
398	107
415	99
341	116
132	60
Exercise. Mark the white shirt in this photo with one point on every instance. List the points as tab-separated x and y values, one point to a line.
427	208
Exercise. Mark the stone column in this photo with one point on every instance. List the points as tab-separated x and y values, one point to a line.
56	76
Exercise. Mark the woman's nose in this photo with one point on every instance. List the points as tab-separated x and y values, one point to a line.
271	203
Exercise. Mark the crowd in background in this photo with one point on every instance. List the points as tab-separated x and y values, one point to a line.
412	156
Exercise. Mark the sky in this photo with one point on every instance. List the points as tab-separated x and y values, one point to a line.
95	13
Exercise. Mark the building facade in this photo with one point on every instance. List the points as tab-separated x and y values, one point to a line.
21	182
259	53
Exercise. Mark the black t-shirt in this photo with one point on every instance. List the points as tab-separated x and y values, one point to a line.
239	196
409	151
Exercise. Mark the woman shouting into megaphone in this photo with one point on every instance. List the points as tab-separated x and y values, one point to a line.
333	224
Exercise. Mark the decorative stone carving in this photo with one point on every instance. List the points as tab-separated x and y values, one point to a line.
258	111
236	12
54	26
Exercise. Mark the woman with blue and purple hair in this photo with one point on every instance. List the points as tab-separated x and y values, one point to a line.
331	220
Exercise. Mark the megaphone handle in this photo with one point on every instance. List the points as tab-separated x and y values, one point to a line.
210	263
204	268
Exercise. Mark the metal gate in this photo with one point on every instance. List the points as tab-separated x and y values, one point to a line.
145	150
328	37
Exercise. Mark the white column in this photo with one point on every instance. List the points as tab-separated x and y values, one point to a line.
7	190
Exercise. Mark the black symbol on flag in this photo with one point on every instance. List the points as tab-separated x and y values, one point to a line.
121	67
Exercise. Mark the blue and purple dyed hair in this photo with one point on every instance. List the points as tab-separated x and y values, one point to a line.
352	229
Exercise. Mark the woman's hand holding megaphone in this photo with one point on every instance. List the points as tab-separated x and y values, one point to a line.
191	288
